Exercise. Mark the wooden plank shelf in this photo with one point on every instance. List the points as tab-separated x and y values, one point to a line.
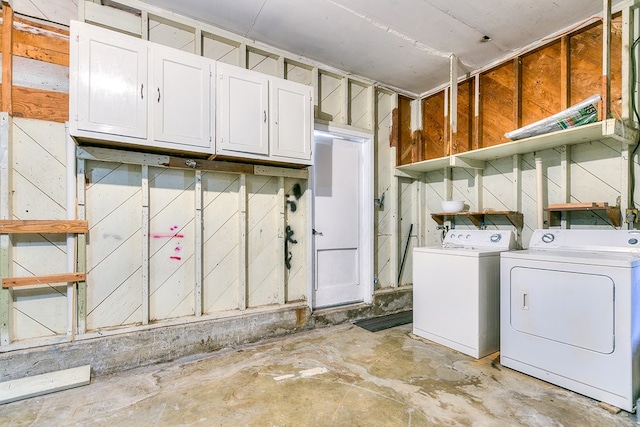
12	282
44	226
613	212
610	129
477	218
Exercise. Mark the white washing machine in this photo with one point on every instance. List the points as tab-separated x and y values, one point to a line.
456	290
570	312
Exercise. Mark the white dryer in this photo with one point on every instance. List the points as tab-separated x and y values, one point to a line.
570	312
456	290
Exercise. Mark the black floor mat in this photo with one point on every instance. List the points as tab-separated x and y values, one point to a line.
375	324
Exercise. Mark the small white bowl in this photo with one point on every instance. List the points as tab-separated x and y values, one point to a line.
452	205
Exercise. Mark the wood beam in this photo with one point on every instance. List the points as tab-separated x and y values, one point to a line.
7	57
11	282
565	72
44	226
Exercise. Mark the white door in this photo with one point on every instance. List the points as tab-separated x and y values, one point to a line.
338	213
242	104
112	82
181	99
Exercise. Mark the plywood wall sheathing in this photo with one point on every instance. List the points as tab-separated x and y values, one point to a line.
262	62
329	97
407	146
433	121
220	49
172	34
497	103
541	83
298	72
464	134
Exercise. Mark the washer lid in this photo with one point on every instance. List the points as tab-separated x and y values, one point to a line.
459	251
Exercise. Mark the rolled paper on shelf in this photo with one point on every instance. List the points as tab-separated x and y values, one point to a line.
579	114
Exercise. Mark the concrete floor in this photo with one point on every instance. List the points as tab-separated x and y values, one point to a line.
335	376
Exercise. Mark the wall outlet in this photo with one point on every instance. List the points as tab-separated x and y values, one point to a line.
447	225
632	211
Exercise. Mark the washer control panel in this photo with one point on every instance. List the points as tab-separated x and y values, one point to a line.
499	239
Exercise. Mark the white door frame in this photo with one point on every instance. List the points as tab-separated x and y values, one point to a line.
366	205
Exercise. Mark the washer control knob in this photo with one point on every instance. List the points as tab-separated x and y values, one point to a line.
495	238
459	236
633	241
468	236
548	237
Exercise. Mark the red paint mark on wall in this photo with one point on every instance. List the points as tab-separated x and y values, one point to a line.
175	257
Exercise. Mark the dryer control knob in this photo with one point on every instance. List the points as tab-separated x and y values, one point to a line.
495	238
633	241
548	237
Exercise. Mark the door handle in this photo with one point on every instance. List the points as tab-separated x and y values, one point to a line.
264	114
316	233
141	90
158	94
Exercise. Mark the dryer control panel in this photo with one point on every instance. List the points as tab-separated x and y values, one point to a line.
586	240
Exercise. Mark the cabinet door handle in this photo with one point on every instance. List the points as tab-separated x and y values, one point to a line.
264	113
141	90
158	94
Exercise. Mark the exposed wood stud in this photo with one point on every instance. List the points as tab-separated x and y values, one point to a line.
315	82
394	221
6	297
479	187
81	262
606	59
10	282
7	57
447	125
242	55
242	250
145	244
282	68
453	102
144	25
627	40
517	93
477	116
280	267
626	163
372	105
565	72
198	253
345	117
43	226
517	192
565	182
198	41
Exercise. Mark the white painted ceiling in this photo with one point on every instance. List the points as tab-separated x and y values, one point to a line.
404	44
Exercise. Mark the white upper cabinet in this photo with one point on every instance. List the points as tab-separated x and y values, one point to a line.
291	125
242	104
128	91
180	96
111	74
262	117
133	92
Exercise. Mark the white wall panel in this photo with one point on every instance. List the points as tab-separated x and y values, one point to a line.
298	74
38	146
114	213
264	250
359	106
297	276
171	35
219	50
221	242
330	97
382	185
262	63
406	201
171	243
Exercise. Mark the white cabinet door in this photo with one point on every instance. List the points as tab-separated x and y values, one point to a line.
242	111
111	94
291	119
181	98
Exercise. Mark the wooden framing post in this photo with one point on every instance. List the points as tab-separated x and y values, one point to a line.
565	73
565	182
453	102
6	295
394	222
242	244
145	244
345	117
517	192
81	314
479	175
198	242
606	59
7	57
280	268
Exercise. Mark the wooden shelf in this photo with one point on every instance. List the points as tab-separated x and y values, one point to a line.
610	129
44	226
613	212
477	218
